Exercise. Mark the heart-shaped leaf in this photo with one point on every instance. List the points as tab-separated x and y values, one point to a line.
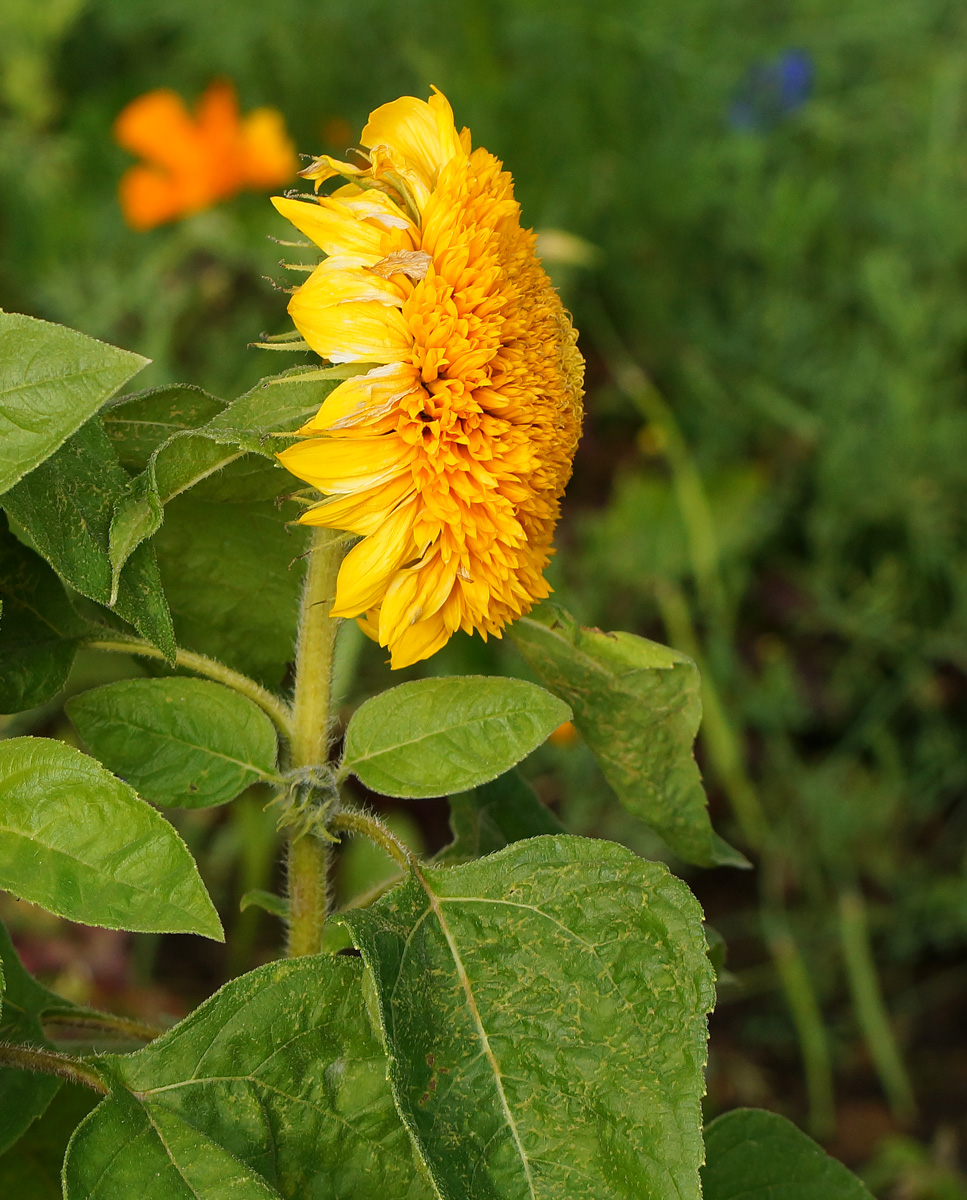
280	1074
80	843
544	1011
432	737
189	742
756	1155
638	706
52	380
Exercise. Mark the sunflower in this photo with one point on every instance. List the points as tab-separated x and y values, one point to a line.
449	451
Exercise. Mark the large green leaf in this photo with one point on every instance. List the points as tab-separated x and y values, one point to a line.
39	629
189	742
756	1155
52	380
278	404
189	454
31	1170
638	706
129	1149
138	424
82	844
142	424
432	737
66	507
544	1012
193	450
493	815
282	1071
232	574
177	465
24	1095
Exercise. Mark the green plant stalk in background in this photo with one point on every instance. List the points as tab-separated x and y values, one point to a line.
868	1004
719	738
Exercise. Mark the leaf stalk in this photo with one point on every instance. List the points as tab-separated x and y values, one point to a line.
27	1058
210	668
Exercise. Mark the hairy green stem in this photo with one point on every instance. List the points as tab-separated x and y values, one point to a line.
210	668
376	831
308	855
92	1019
26	1058
868	1004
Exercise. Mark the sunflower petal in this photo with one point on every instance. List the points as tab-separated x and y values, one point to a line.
422	133
414	595
366	568
360	512
331	225
350	332
419	641
340	465
365	398
330	284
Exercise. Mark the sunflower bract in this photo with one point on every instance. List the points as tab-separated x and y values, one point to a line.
450	456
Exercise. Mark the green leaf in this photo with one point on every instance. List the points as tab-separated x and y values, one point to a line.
638	706
281	1070
82	844
233	574
25	1095
278	404
138	424
433	737
137	516
128	1149
189	742
494	815
66	507
757	1155
184	459
39	630
275	905
52	380
246	480
175	467
31	1170
544	1012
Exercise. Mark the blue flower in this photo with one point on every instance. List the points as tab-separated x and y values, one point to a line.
772	90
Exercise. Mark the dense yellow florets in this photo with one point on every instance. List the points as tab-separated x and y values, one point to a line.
450	456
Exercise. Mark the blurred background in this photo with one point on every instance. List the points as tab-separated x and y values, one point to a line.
757	213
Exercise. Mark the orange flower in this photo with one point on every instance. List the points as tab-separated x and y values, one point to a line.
564	735
193	162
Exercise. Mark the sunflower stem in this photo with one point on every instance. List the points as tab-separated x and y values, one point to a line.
91	1018
308	855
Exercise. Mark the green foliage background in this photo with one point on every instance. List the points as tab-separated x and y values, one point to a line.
796	290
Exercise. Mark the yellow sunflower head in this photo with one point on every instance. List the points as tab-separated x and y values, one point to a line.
449	452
